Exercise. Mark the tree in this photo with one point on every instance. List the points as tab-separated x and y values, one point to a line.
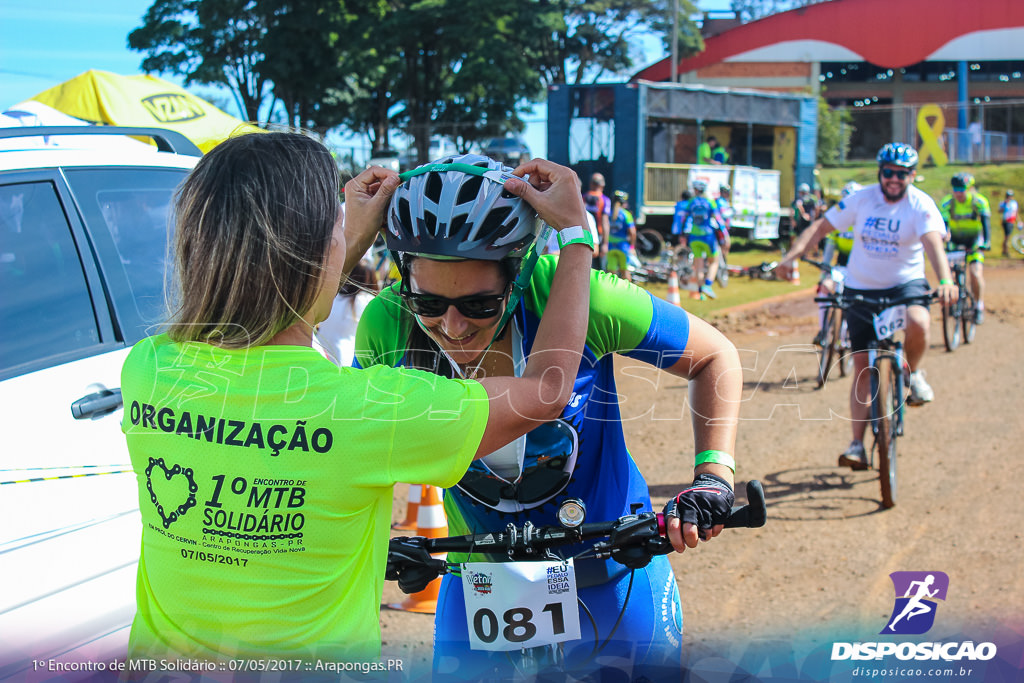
583	40
835	128
750	10
304	59
209	42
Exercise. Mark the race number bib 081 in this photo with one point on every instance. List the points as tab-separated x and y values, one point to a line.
889	321
515	605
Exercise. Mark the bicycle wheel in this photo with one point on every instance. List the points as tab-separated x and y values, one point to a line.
967	318
885	409
649	243
829	346
1017	241
951	325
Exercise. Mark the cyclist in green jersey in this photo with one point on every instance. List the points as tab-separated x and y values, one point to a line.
967	215
265	472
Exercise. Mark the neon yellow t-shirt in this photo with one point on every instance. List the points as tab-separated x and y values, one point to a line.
265	484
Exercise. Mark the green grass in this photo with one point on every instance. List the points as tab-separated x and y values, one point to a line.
741	290
992	180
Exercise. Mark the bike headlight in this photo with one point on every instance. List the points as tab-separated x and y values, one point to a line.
571	513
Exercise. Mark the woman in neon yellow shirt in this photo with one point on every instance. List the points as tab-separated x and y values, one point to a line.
265	472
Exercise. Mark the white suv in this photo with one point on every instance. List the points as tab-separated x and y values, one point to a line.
83	234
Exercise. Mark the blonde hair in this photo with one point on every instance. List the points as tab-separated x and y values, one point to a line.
253	228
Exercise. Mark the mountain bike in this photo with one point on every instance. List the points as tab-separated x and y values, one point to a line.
832	340
960	315
762	271
534	634
890	378
649	244
1017	238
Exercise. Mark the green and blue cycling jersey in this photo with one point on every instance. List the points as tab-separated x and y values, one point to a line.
618	230
586	443
581	455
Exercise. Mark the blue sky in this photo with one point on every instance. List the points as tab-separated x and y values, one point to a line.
46	42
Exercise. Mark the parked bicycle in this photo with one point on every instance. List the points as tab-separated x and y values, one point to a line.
890	378
833	339
632	540
649	244
959	315
762	271
1017	238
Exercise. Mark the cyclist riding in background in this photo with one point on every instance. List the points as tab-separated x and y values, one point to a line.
725	210
967	215
600	207
697	220
621	237
1008	210
468	305
894	226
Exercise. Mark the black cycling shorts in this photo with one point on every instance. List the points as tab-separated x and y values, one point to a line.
859	321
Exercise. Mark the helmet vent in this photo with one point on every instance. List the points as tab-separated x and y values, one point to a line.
433	189
404	215
469	190
430	222
494	221
457	223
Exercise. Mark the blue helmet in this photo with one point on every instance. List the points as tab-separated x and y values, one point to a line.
898	154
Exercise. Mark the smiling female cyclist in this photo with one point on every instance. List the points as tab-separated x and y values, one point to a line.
469	305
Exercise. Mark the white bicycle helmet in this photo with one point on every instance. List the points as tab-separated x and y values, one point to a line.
851	187
457	208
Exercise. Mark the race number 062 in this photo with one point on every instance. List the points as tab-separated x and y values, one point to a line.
519	626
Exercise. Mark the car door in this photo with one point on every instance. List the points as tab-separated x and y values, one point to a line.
76	294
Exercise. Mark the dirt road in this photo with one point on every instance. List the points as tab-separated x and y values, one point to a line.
769	600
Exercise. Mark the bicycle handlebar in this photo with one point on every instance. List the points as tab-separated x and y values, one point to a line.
632	541
879	304
820	265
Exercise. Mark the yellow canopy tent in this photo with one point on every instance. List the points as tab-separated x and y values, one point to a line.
104	97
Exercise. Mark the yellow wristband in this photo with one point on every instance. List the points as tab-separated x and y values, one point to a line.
717	457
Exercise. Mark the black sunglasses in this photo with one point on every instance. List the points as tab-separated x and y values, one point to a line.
473	306
889	173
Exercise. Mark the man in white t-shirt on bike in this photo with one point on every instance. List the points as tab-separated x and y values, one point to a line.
894	226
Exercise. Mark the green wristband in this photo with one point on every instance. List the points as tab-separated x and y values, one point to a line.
575	234
717	457
945	281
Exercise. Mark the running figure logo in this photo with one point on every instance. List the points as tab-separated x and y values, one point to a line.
916	596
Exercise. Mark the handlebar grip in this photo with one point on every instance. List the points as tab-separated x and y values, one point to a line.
752	515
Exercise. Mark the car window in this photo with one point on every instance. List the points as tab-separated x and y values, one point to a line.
133	206
45	309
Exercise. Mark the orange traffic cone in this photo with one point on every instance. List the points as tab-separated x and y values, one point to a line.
673	287
431	523
412	509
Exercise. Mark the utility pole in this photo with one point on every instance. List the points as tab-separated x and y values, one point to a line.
675	41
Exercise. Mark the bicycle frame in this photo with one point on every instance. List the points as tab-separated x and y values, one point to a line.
890	375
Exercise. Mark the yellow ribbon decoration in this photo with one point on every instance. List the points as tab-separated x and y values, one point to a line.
931	134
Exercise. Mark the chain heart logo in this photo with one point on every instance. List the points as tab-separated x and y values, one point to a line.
168	474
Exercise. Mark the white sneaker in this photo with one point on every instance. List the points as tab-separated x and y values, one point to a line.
854	456
920	391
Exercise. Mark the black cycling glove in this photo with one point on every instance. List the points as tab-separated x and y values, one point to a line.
706	502
411	565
